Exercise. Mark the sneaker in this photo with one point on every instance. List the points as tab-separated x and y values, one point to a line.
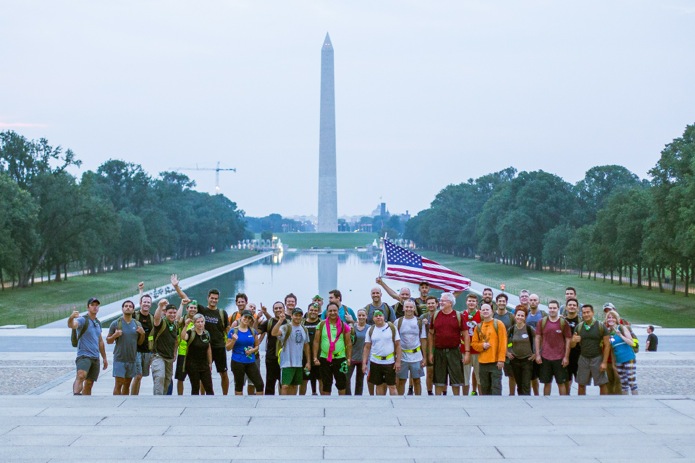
444	393
410	390
430	393
474	393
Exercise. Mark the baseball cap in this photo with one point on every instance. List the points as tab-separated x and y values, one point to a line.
317	298
246	313
93	299
297	310
608	306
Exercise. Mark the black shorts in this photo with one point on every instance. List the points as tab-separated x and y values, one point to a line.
536	371
573	366
447	364
380	374
330	371
179	374
550	369
219	356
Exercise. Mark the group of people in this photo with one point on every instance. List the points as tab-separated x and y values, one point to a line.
392	347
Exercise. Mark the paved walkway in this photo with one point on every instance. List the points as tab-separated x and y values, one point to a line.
349	429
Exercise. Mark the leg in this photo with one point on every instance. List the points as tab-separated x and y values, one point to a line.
359	379
225	382
118	385
87	389
581	389
430	376
158	385
547	388
179	385
417	384
194	379
400	388
135	385
495	380
381	389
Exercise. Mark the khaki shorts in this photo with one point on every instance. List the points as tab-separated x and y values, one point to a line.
590	368
467	370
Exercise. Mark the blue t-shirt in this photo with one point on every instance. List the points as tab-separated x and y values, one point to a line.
622	351
245	339
532	320
88	345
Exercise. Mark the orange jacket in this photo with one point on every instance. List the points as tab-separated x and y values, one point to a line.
485	332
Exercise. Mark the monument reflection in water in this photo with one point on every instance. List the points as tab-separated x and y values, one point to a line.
302	273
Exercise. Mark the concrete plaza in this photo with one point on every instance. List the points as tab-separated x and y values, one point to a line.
349	429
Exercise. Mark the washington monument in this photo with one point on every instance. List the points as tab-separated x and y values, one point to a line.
328	192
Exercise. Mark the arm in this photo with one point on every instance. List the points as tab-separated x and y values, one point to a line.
423	345
466	347
184	333
476	342
430	345
276	328
175	284
537	344
141	334
74	324
347	339
113	334
388	290
397	365
365	355
307	354
102	350
231	340
606	352
158	313
317	345
625	334
501	347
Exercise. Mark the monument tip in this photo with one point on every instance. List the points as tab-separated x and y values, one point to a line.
327	41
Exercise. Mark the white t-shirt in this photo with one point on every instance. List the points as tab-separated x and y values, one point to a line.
382	344
410	339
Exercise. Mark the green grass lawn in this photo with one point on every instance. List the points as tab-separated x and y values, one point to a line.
327	240
637	305
47	302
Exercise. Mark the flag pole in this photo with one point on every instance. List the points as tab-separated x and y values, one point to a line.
381	260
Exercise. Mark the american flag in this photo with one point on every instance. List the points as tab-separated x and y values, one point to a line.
404	265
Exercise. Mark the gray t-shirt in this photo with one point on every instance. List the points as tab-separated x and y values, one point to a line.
410	339
88	345
358	343
293	348
127	344
521	343
591	338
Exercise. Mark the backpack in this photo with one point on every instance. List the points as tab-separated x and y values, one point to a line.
387	312
190	340
399	323
458	318
529	332
393	331
152	340
75	337
119	325
495	324
544	320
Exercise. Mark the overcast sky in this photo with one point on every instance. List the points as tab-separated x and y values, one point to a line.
428	93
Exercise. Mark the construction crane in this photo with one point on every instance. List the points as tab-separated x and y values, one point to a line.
217	173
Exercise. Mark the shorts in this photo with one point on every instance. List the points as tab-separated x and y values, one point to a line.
508	369
143	360
447	363
475	366
573	365
124	369
291	376
90	365
380	374
219	357
179	374
550	369
414	368
330	371
535	371
590	368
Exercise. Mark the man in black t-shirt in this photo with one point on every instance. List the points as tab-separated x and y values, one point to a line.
216	323
652	339
572	319
272	367
144	355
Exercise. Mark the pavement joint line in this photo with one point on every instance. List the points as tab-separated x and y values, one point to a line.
500	452
571	438
51	384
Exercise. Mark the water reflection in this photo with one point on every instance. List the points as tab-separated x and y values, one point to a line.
304	274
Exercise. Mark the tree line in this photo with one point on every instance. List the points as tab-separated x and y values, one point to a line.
610	223
110	219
